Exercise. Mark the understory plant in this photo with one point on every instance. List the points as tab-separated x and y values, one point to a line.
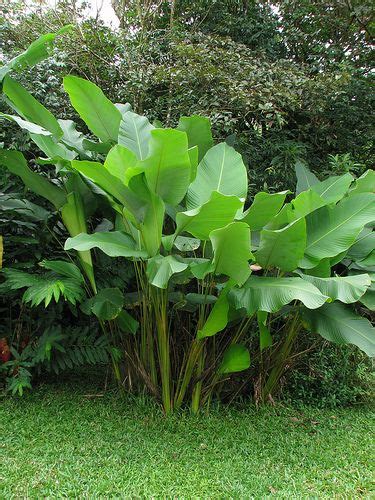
212	269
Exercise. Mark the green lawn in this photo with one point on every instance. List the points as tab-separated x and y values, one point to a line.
55	442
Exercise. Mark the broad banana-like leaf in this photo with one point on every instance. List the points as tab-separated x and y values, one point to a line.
341	325
112	243
264	207
334	188
265	338
368	299
15	162
100	175
107	304
160	269
71	137
55	151
167	166
24	124
365	183
305	178
186	244
221	170
369	261
198	130
305	203
193	155
363	245
96	110
282	248
36	52
73	216
119	161
231	245
29	108
135	134
127	323
217	212
235	359
123	107
218	318
346	289
271	294
331	231
150	216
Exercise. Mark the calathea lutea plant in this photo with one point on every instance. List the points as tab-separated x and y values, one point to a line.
211	269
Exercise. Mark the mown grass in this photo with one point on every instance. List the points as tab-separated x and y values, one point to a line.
58	442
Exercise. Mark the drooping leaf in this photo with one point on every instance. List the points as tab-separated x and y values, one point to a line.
167	166
55	151
363	245
96	110
235	359
127	323
29	108
271	294
120	160
305	178
36	52
282	248
107	304
160	269
30	127
331	231
334	188
265	338
217	212
365	183
112	243
218	318
264	207
339	324
198	130
346	289
135	133
15	162
221	170
231	245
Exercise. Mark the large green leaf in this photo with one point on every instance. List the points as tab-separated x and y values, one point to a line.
347	289
101	176
305	203
135	134
198	130
160	269
121	163
334	188
231	245
107	304
339	324
221	170
365	183
217	212
127	323
36	52
363	245
24	124
112	243
54	151
235	359
15	162
282	248
99	113
271	294
29	108
265	338
72	138
331	231
218	318
305	178
264	207
167	167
